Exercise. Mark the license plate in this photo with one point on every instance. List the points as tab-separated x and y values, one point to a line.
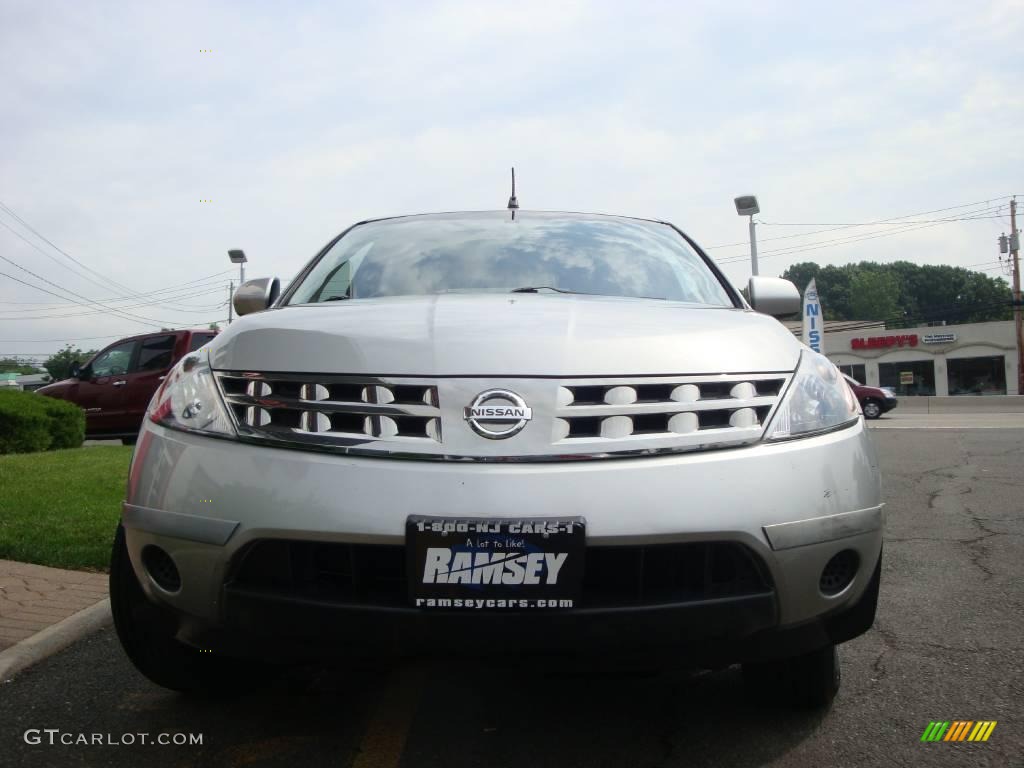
495	564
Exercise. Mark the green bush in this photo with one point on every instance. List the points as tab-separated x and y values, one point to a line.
31	422
67	423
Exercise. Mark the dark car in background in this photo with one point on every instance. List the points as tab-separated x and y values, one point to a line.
116	385
874	401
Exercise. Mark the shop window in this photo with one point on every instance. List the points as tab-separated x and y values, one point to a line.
908	379
977	375
855	372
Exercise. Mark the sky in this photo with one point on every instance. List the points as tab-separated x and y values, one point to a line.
144	140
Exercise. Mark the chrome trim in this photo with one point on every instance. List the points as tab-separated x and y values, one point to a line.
816	530
207	530
351	447
571	418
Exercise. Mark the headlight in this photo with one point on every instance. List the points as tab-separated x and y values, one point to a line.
818	400
188	399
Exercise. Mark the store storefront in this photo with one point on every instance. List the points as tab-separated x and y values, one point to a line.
973	359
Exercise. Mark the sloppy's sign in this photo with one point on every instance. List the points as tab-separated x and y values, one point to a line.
882	342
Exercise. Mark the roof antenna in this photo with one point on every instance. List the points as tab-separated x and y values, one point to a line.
512	202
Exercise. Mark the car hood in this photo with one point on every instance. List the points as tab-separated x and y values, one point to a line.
506	335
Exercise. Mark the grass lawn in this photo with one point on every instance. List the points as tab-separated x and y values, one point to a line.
60	508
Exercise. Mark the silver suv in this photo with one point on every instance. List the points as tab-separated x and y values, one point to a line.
518	431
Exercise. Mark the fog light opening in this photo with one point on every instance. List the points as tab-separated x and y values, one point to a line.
161	568
838	572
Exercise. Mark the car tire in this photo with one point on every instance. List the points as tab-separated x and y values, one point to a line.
128	440
872	409
147	634
808	681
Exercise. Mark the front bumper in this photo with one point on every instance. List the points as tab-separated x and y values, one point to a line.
794	505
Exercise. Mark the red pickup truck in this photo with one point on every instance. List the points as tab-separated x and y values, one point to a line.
115	386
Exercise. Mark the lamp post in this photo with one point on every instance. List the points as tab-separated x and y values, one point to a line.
238	257
746	205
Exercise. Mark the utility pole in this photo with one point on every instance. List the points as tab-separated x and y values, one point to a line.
231	295
1017	308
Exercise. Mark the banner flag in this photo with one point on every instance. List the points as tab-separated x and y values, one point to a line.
814	322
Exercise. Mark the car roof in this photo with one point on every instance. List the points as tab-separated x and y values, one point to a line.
503	214
166	332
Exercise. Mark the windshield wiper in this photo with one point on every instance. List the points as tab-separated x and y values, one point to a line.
337	298
539	288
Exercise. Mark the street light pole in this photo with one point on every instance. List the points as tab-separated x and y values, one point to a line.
753	246
746	205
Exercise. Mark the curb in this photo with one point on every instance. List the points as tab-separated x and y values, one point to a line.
52	639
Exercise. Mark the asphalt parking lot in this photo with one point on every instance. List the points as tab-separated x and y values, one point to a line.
947	645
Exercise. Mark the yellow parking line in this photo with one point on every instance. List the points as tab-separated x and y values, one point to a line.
384	740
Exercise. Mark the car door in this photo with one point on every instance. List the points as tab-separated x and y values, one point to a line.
152	361
99	391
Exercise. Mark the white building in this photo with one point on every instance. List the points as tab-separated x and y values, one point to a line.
970	359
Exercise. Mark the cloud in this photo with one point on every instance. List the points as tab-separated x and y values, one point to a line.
305	120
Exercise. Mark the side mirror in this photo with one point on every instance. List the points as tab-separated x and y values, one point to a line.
76	370
773	296
256	295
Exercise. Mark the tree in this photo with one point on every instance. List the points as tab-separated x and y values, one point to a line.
873	294
904	294
18	365
59	363
215	327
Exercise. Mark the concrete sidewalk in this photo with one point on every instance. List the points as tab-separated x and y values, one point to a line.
34	598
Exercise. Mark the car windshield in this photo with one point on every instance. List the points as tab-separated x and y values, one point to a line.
492	253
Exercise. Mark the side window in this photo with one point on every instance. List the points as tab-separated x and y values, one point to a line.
198	339
156	353
113	361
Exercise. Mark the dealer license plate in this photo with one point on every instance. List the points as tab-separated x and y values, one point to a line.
489	564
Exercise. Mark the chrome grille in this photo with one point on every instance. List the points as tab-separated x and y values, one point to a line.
573	418
695	412
332	410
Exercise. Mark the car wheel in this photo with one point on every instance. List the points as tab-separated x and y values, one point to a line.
809	681
147	634
872	410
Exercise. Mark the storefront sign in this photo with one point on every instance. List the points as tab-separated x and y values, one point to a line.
906	377
881	342
938	338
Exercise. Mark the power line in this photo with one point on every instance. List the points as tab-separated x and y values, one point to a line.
58	262
112	310
200	309
894	221
135	296
878	223
829	243
192	285
987	202
92	338
37	233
